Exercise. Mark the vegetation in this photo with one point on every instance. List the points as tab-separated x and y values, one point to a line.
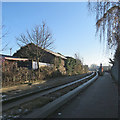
35	43
108	21
14	75
27	51
69	65
75	66
3	35
57	62
86	68
41	37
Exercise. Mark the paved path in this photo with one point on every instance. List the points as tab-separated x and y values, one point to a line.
100	100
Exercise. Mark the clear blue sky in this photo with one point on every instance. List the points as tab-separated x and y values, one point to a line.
71	24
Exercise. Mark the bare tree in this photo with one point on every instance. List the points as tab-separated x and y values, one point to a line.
41	37
108	24
107	21
4	32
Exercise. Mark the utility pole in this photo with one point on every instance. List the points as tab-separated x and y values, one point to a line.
10	51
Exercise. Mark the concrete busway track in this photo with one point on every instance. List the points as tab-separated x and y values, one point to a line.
15	101
54	105
28	93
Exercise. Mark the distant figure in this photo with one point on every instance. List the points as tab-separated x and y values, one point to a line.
100	72
102	69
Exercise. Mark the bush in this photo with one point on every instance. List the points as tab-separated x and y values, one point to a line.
73	66
24	75
56	73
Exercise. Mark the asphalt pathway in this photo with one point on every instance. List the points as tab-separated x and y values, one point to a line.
99	100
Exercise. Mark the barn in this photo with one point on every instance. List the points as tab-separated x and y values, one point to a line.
49	57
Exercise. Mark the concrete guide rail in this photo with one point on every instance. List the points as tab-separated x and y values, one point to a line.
48	109
27	97
37	91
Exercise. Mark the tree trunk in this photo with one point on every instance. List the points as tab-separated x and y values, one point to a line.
118	58
119	46
38	64
119	61
38	68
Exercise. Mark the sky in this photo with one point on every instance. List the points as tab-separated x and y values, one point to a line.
71	24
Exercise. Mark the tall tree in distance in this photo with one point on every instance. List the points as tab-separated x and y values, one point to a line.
79	65
40	36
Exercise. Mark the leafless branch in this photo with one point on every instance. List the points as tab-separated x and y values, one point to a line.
40	36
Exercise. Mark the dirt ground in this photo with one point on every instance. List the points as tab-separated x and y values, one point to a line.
20	89
27	107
